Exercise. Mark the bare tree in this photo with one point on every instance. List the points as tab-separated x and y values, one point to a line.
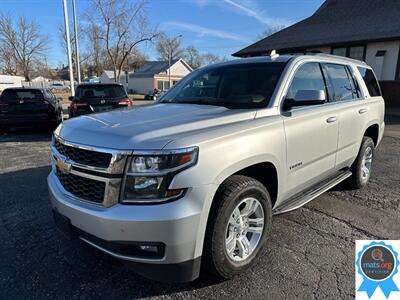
24	40
168	46
193	57
210	58
7	61
96	49
84	56
271	31
122	26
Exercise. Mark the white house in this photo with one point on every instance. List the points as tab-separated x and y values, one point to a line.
40	79
7	81
367	30
154	75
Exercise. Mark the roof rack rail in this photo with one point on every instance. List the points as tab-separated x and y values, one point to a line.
320	53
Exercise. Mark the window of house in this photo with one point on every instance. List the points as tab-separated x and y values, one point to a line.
370	81
162	85
355	52
307	77
339	51
340	82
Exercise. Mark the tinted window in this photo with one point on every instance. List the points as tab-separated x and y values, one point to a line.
370	81
307	77
241	85
12	95
100	91
340	83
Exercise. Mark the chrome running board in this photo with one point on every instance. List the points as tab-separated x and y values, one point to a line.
302	198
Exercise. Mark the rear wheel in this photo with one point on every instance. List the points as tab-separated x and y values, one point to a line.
362	166
238	226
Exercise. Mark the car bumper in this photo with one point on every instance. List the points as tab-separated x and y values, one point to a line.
24	120
173	225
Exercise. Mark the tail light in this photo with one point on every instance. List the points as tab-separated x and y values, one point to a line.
127	102
75	105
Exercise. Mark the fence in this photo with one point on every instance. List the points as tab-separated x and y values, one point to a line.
44	84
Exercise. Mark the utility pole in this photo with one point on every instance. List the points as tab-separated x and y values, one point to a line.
78	67
170	58
71	72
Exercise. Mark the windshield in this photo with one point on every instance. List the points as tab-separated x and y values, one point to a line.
100	91
234	86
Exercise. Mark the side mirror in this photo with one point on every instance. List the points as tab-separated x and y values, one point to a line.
71	98
306	97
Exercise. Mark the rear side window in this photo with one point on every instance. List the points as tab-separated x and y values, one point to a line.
370	81
340	83
17	95
100	91
307	77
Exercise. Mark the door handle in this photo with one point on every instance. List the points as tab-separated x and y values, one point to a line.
331	120
362	111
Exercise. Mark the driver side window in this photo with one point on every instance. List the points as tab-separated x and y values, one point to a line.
307	78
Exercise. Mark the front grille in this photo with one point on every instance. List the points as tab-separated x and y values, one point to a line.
84	188
85	157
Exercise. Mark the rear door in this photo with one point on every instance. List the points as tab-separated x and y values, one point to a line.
311	133
101	97
24	103
352	111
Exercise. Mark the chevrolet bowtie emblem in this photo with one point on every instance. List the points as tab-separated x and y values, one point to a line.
63	166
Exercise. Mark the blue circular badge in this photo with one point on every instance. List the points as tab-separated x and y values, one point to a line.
377	263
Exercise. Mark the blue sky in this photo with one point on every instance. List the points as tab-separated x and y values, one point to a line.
218	26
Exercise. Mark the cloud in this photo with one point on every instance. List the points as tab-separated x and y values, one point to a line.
252	11
245	7
203	31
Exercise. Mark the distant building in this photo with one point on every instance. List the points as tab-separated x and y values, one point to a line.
154	75
7	81
367	30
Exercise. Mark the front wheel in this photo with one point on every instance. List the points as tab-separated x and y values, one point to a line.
238	226
362	166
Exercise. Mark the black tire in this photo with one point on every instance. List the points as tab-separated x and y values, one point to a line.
356	180
228	196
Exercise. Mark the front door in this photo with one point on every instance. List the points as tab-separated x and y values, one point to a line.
311	133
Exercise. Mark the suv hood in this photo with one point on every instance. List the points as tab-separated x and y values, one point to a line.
149	127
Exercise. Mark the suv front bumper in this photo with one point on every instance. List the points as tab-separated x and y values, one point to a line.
174	225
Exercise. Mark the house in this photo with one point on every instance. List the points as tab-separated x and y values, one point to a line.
367	30
7	81
154	75
40	79
108	77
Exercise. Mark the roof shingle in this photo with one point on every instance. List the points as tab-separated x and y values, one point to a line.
335	22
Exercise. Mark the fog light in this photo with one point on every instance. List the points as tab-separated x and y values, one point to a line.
153	249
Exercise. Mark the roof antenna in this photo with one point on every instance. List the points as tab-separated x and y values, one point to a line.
273	54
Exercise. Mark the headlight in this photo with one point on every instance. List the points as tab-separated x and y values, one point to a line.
149	174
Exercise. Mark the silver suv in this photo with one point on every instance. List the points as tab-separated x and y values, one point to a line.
198	176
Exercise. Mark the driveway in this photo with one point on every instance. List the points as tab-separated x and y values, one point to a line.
310	252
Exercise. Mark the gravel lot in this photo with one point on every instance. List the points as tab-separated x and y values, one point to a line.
310	253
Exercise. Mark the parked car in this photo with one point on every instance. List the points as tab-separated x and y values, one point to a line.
196	178
29	107
59	87
98	97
